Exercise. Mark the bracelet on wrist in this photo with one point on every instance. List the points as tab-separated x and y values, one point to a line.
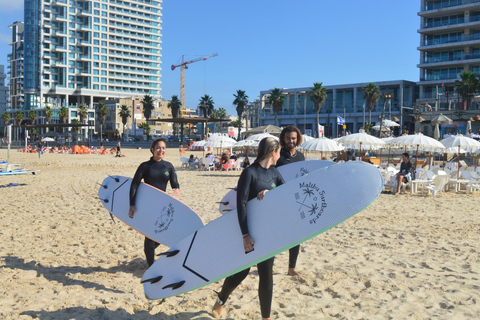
246	235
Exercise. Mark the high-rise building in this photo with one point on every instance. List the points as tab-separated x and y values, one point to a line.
449	44
3	90
15	66
82	52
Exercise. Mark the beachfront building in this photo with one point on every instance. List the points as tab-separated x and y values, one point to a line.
346	101
449	44
3	90
85	52
15	67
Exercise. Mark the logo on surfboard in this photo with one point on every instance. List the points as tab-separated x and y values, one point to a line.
311	200
165	219
303	171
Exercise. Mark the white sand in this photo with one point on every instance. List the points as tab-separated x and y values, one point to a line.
61	256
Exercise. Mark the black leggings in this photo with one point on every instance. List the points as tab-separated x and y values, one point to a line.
149	248
265	285
292	257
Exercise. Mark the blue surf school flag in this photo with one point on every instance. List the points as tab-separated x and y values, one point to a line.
340	120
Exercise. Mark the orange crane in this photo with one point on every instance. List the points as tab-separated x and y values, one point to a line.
183	66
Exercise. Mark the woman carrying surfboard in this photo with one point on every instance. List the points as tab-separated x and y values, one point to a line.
157	173
254	182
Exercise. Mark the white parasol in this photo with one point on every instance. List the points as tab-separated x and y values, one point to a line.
459	142
419	141
361	139
321	144
390	123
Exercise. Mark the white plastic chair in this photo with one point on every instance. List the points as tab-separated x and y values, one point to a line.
184	162
208	164
437	185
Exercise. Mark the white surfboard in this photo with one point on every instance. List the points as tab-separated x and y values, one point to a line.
288	215
18	171
159	216
289	172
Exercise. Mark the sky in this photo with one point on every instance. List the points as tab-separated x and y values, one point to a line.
275	44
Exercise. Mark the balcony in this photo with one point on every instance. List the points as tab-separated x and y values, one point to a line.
448	61
450	4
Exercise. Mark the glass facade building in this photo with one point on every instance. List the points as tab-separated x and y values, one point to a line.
85	51
449	44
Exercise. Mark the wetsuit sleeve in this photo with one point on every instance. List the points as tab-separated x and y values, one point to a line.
243	191
173	178
280	179
137	178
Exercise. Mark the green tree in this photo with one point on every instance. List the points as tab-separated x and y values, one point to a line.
241	100
206	104
6	119
76	128
148	108
318	94
145	127
48	113
220	113
18	117
371	94
124	113
235	123
276	99
32	116
102	113
63	115
467	87
175	105
82	114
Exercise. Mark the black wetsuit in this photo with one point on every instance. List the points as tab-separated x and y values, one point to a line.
286	158
156	174
254	179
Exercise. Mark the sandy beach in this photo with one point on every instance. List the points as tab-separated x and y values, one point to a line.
62	257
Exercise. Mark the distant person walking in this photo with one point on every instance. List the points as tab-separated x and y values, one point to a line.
119	146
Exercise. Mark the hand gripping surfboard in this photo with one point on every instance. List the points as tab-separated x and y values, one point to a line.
159	216
289	172
288	215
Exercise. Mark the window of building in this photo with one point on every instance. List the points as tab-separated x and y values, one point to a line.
95	79
104	43
104	7
104	87
104	21
96	49
95	86
104	50
96	42
96	5
104	36
95	71
96	12
96	20
71	86
104	80
71	40
96	64
96	57
104	73
96	27
71	10
104	65
104	14
104	29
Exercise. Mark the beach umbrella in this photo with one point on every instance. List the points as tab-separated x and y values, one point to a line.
436	133
441	120
469	126
306	138
460	141
419	141
361	139
48	139
261	136
321	144
390	123
384	129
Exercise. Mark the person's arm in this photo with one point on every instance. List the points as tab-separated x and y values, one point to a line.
137	178
174	182
243	191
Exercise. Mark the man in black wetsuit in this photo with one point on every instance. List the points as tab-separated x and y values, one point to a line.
404	174
290	138
157	173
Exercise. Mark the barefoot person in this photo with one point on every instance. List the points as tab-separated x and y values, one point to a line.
405	172
290	138
254	182
157	173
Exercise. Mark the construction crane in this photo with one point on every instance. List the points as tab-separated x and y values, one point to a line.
183	66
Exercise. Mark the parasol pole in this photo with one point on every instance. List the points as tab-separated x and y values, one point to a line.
416	157
444	156
360	150
381	156
388	160
458	163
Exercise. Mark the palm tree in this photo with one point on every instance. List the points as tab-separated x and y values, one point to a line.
371	94
32	116
240	101
76	128
221	113
206	103
6	119
102	113
175	104
83	114
276	101
63	115
467	87
145	127
124	113
148	108
48	112
18	117
318	96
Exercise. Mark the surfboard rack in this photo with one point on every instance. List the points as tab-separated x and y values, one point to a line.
152	280
175	285
169	253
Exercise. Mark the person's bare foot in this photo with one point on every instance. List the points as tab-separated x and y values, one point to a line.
217	310
292	272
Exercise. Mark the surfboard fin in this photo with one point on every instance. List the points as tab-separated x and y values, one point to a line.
116	179
169	253
103	185
226	210
175	285
225	203
104	200
153	280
